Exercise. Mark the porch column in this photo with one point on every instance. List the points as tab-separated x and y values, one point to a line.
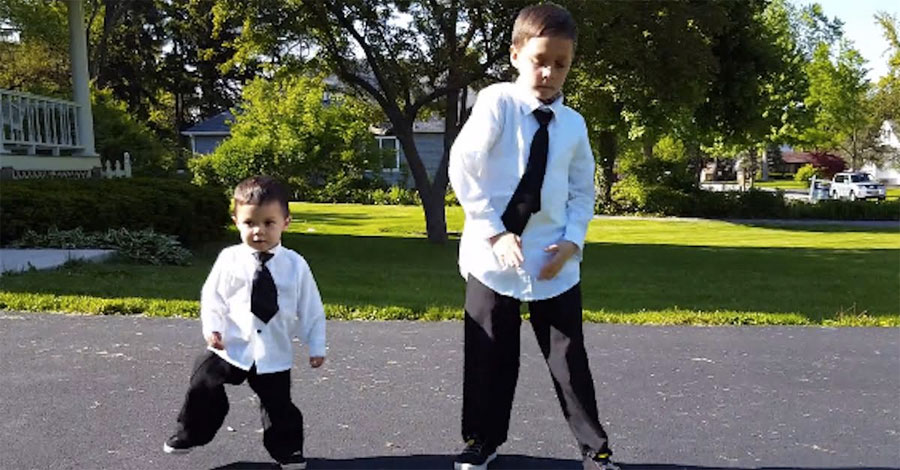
80	78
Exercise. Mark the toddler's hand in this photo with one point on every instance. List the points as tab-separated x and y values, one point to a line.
562	251
316	362
507	247
215	340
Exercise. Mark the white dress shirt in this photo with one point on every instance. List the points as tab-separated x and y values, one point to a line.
487	161
225	307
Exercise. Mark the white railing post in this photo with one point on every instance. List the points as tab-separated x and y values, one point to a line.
126	164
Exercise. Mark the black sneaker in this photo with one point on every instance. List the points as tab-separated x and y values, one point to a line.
295	462
476	456
177	445
599	461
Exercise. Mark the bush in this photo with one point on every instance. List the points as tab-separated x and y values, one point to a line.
396	196
118	132
144	246
284	129
753	204
806	172
167	206
845	210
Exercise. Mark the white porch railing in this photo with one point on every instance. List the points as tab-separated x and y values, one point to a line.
29	123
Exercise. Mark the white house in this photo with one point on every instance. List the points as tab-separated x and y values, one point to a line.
45	137
888	173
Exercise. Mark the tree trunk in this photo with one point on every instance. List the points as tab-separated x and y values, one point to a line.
607	155
695	160
647	144
435	217
110	18
435	221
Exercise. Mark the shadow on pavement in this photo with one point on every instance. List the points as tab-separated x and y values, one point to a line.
503	462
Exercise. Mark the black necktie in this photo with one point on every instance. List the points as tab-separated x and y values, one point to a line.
527	198
263	296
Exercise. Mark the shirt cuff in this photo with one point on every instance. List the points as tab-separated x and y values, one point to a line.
488	227
212	323
575	235
317	350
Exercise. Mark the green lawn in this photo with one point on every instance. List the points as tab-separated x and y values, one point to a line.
373	262
782	184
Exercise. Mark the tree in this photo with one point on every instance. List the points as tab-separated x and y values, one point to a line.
887	96
618	81
406	56
284	129
117	131
756	96
839	97
731	76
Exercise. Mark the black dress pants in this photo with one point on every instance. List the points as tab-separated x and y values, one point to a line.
491	366
206	405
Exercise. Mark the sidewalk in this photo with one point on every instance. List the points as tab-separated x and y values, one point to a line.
15	260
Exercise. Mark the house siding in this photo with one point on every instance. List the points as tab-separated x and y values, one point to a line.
431	149
206	144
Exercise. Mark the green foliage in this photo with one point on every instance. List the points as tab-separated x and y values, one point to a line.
25	302
657	199
806	172
662	184
97	305
285	130
143	246
168	206
117	131
396	196
35	67
839	98
887	97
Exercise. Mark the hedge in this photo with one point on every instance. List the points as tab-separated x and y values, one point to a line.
193	214
753	204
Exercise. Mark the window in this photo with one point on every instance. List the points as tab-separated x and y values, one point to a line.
390	159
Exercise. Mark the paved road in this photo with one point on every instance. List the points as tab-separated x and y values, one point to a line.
103	392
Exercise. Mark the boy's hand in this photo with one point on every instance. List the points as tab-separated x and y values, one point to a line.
316	361
507	247
562	251
215	340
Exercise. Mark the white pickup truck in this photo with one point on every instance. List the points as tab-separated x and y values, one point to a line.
856	185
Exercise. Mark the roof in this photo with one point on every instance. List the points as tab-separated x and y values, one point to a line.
217	125
797	157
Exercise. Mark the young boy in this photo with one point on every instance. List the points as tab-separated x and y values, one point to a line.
258	295
523	171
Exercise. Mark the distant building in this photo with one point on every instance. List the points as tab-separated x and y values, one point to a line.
888	173
209	134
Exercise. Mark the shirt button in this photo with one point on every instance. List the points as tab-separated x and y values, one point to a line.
259	331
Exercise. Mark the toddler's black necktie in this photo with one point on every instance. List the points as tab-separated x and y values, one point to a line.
263	296
527	198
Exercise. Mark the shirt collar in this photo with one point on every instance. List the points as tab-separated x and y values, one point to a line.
274	251
528	102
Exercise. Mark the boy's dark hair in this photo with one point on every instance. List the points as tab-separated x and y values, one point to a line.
259	190
543	20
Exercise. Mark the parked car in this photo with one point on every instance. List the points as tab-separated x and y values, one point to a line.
856	185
